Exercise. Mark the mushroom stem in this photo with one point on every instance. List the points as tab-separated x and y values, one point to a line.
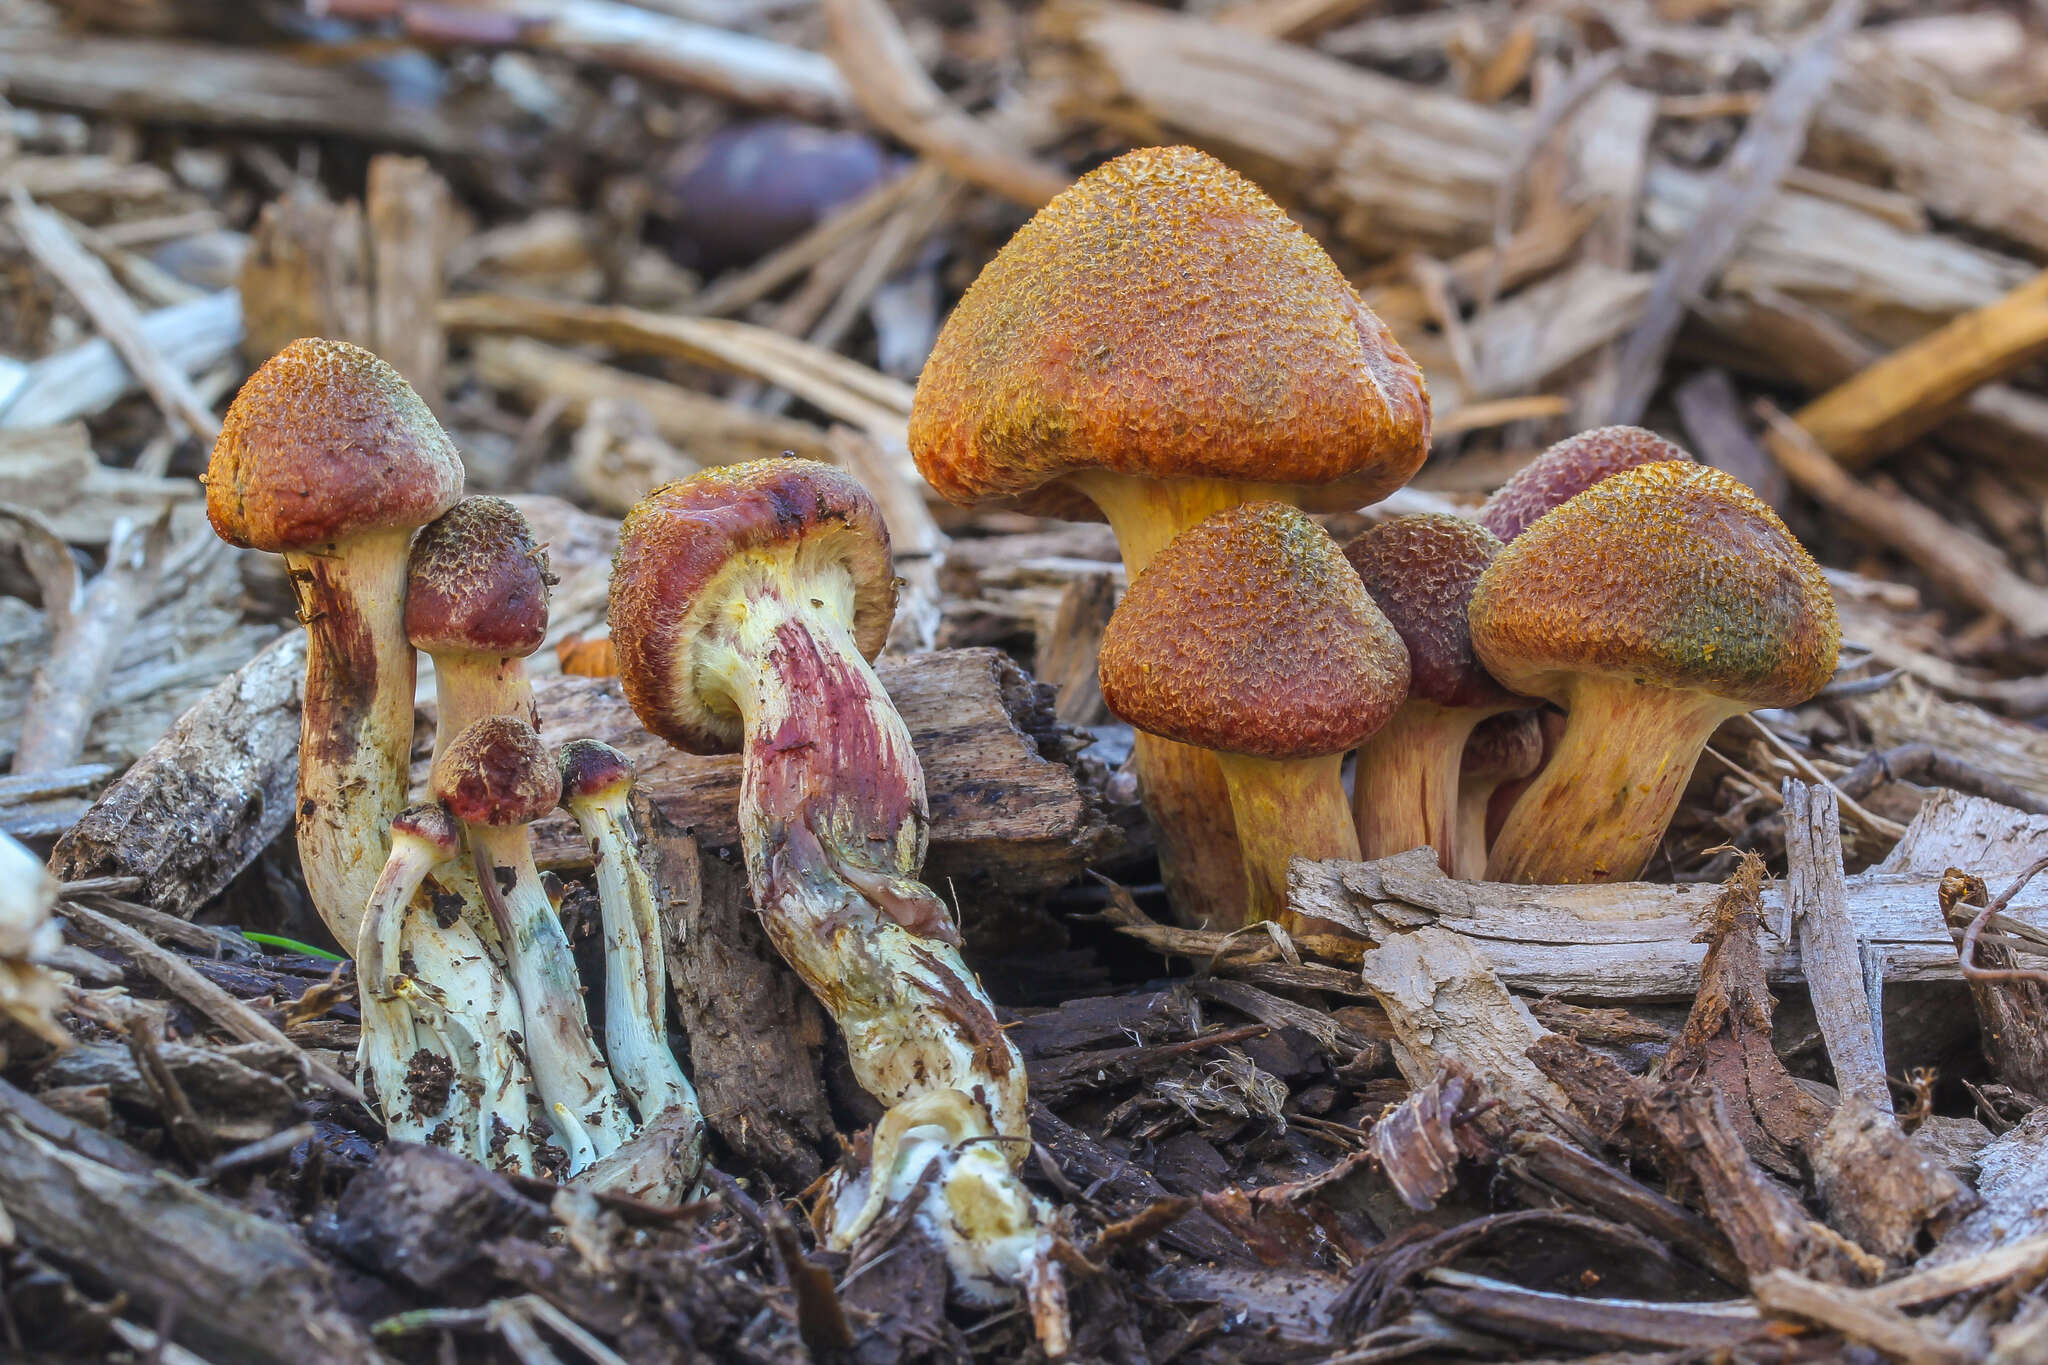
1599	808
1147	514
388	1042
568	1071
636	976
1406	787
469	687
832	818
355	728
1286	809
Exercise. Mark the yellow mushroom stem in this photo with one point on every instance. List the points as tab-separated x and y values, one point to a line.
1599	808
1405	793
1285	808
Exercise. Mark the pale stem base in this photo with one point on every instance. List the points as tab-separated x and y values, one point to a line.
1599	808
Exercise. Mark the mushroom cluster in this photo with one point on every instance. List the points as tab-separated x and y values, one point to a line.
473	1015
1162	348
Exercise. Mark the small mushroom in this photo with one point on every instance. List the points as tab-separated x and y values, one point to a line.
1568	469
1420	571
495	778
328	457
1250	636
746	604
596	781
1158	343
1504	748
477	602
1651	607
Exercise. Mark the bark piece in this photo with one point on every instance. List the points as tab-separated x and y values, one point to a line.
421	1216
2012	1180
754	1032
2012	1014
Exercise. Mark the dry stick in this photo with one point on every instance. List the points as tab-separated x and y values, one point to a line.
179	977
771	272
1746	182
1983	917
1817	896
113	313
88	625
1889	403
407	208
891	88
1964	564
1876	824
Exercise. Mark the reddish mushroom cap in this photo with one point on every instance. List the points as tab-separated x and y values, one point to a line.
1671	574
590	769
1568	469
1250	634
497	772
325	442
430	823
477	582
672	573
1420	571
1163	318
1504	748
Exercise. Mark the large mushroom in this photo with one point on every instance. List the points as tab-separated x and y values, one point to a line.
1420	571
495	778
1651	607
1567	469
1251	637
1159	343
328	457
746	604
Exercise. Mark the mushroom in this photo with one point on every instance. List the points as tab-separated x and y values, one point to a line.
328	457
1651	607
746	604
1567	469
1504	748
495	778
1420	571
596	781
30	993
423	977
477	603
1250	636
1159	343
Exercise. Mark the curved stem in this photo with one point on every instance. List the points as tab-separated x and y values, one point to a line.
568	1071
355	729
1286	810
1599	808
1406	792
1468	844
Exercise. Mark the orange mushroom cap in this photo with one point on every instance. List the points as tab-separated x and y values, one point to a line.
1420	571
478	582
324	442
1250	634
1672	574
1568	469
1163	318
670	576
497	772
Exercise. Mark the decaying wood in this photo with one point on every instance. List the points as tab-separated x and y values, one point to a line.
90	377
1447	1005
1630	941
265	1297
1895	1334
2012	1013
407	207
53	472
754	1032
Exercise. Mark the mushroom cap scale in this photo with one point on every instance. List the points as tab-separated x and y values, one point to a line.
1420	571
688	548
1671	574
1567	469
497	772
1250	634
591	768
477	581
1163	318
324	442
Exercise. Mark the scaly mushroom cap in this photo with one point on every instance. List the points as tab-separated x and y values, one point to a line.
497	772
431	824
1568	469
684	548
477	581
1504	748
591	769
1250	634
1672	574
325	442
1420	571
1163	318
